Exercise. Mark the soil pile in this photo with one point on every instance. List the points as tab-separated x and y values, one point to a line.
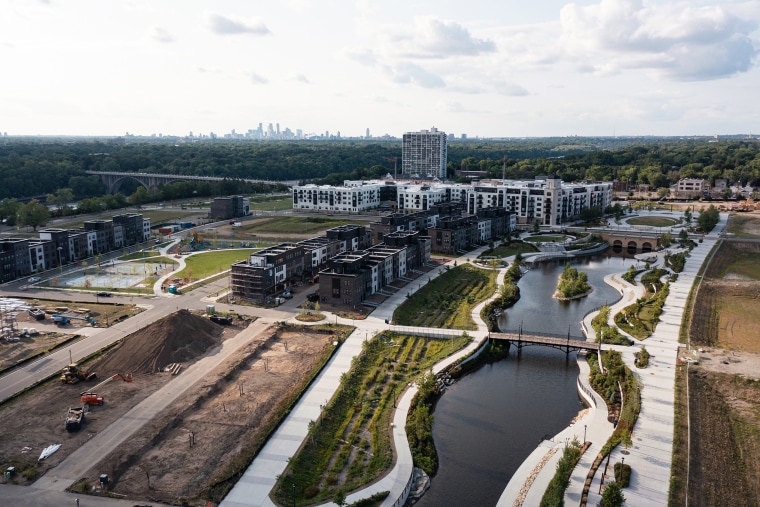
177	338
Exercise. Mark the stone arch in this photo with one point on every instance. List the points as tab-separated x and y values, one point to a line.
633	247
617	246
646	247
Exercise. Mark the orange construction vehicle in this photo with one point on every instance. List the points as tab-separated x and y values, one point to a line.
91	397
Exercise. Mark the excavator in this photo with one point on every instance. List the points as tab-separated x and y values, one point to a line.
63	320
72	374
91	398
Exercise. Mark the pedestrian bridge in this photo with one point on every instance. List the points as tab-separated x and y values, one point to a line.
565	343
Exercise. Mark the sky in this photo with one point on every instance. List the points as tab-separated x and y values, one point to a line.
484	68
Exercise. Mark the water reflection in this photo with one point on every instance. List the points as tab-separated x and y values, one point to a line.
489	422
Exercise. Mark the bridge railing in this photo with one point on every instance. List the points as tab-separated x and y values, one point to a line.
538	333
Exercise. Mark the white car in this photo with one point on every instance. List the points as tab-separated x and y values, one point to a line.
34	279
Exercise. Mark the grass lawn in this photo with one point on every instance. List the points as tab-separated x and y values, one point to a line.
447	301
544	239
295	225
652	221
272	203
744	265
206	264
508	250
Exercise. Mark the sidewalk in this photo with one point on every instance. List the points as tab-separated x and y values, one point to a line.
257	482
650	457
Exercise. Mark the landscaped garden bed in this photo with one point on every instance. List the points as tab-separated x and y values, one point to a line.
447	301
349	444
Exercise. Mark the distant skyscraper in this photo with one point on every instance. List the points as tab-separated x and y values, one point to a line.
367	134
424	154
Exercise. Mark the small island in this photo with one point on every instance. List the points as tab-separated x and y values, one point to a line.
572	284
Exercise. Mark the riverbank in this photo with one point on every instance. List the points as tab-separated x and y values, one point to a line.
650	456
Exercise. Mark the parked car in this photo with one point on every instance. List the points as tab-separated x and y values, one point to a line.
313	298
34	279
287	294
104	294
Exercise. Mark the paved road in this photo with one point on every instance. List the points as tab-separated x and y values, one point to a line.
80	461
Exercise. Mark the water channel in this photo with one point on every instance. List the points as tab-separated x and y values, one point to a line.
487	423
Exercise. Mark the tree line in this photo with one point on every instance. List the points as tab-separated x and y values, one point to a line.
37	168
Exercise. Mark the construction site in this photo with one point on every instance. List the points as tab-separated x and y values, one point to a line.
193	446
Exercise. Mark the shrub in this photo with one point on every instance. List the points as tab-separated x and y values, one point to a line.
612	496
622	474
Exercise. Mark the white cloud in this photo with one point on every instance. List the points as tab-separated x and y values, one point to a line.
675	40
408	72
431	37
258	79
365	56
301	78
159	34
224	25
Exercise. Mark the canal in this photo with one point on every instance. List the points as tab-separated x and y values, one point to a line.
487	423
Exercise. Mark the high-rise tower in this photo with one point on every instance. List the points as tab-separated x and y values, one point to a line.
423	154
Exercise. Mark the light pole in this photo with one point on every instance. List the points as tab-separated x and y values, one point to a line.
584	433
60	264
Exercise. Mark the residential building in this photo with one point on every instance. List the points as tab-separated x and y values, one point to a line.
690	187
349	198
424	154
15	262
225	208
352	277
267	272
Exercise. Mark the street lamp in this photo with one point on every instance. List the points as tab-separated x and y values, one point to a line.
60	264
584	433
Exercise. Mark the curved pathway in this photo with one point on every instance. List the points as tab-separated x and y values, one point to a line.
650	456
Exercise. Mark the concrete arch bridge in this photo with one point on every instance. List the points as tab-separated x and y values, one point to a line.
113	180
630	242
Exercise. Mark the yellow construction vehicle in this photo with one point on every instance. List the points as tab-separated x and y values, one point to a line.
72	374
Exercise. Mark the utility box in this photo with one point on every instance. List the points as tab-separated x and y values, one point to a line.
104	480
10	472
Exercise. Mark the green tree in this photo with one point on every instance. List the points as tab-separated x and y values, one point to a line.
9	210
666	239
687	216
33	214
663	192
612	496
60	198
708	218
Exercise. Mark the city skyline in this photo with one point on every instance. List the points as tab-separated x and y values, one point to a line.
588	68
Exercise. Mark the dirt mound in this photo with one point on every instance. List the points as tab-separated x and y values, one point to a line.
177	338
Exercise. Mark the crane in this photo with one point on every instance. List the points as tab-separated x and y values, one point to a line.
395	164
91	398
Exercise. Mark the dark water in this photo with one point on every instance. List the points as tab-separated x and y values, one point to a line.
490	421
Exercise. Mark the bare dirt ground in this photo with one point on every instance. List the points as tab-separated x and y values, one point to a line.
231	406
50	335
724	387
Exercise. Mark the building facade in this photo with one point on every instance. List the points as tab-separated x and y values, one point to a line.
348	198
224	208
424	154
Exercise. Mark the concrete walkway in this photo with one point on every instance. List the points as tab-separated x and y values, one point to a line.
650	456
257	482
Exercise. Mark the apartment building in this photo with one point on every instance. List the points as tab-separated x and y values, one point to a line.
424	154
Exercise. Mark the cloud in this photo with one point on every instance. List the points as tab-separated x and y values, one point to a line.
258	79
365	56
408	72
301	78
223	25
675	40
159	34
431	37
